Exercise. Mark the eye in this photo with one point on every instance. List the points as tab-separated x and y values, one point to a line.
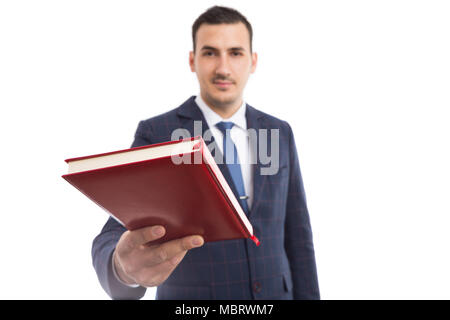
237	53
208	53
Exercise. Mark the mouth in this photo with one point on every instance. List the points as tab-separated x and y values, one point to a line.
222	84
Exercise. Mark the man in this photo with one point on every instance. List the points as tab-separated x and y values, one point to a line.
283	266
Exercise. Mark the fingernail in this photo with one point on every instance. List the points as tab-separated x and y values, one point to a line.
158	231
197	241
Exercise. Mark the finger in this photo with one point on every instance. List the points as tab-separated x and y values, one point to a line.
158	254
142	236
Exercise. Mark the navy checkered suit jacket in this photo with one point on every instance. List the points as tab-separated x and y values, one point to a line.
282	267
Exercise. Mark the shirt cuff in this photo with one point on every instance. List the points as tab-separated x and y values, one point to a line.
118	278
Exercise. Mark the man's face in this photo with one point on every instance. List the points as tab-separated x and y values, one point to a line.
222	62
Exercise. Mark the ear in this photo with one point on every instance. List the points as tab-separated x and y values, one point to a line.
254	62
191	61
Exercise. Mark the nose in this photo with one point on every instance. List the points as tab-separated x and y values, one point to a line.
223	67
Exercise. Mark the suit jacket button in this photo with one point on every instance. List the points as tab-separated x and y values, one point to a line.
257	287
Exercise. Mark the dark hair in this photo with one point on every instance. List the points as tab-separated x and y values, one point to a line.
218	15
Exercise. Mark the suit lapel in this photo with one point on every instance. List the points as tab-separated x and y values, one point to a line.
255	121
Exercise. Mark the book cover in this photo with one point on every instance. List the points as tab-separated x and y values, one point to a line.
187	198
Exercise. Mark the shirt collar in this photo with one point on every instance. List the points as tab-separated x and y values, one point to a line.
212	118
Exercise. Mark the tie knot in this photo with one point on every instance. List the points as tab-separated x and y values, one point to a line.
224	125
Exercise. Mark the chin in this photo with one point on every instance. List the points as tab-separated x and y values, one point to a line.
224	100
223	96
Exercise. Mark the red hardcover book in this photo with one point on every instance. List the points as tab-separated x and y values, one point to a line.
176	184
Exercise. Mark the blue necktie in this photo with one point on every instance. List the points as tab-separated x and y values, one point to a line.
231	159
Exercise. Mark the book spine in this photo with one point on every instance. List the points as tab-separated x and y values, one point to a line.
226	191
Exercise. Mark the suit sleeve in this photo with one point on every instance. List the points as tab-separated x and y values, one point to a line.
298	233
105	243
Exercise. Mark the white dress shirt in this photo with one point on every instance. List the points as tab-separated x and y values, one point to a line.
239	136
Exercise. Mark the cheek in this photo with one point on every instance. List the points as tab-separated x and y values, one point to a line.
204	72
241	69
242	78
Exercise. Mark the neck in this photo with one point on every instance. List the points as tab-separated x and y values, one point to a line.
225	110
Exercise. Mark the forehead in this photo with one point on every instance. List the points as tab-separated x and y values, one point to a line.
223	36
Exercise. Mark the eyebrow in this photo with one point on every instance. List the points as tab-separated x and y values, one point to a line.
215	49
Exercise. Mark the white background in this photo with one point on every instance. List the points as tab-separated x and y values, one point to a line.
364	84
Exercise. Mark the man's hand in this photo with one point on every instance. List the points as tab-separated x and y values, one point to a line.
137	261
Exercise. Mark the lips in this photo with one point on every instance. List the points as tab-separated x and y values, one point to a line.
223	84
